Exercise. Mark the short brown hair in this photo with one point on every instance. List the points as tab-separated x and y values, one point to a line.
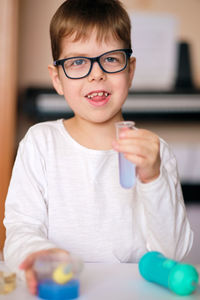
79	17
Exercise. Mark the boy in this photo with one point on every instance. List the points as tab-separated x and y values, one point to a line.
64	193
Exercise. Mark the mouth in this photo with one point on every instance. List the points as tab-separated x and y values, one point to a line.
98	98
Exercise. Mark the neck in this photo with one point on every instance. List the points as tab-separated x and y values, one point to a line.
98	136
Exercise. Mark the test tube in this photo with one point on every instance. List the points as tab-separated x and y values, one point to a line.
126	168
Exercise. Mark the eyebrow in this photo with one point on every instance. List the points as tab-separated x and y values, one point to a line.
74	54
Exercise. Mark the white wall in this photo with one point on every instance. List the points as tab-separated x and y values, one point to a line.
34	44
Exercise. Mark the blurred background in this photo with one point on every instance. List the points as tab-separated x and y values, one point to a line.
164	98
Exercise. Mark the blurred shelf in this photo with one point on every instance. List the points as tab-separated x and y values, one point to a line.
191	192
45	104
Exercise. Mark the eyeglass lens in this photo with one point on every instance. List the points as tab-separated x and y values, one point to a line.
110	62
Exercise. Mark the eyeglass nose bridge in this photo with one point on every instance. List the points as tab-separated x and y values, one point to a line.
93	60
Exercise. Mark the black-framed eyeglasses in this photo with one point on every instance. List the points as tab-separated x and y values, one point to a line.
80	66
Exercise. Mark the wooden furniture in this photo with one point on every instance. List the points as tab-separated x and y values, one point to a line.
8	67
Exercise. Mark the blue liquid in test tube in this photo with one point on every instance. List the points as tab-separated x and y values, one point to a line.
126	168
126	172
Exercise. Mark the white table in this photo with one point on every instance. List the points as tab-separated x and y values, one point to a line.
110	282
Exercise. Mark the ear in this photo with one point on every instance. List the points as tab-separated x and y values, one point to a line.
132	64
54	74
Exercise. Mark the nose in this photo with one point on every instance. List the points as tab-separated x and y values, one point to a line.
96	73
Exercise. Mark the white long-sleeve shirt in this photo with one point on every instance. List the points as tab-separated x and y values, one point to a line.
64	195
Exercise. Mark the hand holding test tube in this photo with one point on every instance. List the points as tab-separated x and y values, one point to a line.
126	168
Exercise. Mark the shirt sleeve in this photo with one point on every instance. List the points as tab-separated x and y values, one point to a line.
166	225
26	218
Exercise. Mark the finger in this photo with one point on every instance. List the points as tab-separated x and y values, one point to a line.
139	134
138	161
150	144
28	262
31	281
128	147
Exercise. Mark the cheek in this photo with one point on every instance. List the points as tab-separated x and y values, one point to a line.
72	93
70	88
122	84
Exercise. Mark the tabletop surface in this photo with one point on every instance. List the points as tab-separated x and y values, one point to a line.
110	282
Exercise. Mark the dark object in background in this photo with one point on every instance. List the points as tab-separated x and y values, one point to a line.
184	71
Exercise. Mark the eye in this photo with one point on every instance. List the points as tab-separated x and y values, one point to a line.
111	59
75	62
78	62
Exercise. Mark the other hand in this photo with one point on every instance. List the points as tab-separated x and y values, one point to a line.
27	267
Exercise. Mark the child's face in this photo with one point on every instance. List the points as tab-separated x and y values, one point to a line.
111	89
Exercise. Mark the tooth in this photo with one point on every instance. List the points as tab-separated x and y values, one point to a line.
100	94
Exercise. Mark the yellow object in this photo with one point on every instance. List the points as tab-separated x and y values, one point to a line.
7	282
59	275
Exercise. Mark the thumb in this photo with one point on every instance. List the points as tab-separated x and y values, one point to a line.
28	262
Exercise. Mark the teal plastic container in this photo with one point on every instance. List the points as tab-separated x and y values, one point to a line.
180	278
